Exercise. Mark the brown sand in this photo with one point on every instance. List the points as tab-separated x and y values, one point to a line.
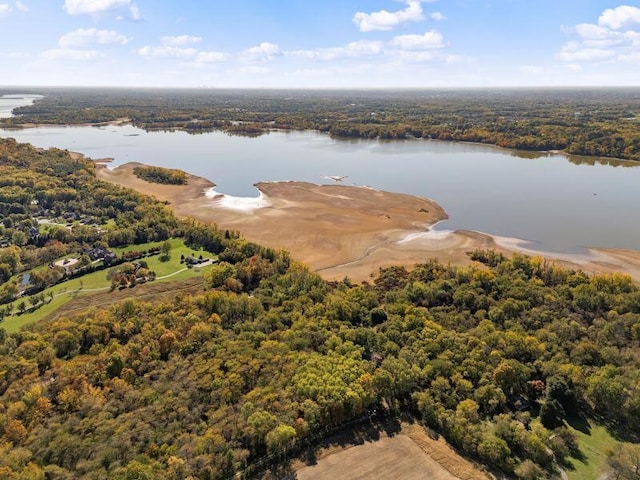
344	231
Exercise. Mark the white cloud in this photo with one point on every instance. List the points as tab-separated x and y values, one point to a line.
90	36
177	47
633	57
593	35
135	12
614	38
437	16
264	52
173	47
206	60
363	48
180	40
574	67
5	9
97	7
409	48
384	20
620	17
21	6
210	57
164	51
431	39
70	54
576	52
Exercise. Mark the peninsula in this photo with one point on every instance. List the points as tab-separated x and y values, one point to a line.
346	231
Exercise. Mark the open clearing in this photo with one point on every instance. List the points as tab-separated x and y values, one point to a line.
94	288
595	441
396	457
409	455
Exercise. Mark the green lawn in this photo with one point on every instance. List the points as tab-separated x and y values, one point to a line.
178	248
66	291
594	445
15	322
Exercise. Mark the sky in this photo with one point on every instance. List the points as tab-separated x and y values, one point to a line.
327	44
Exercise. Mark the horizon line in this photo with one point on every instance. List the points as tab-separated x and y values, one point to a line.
205	87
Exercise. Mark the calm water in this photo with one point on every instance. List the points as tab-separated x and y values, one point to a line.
557	204
9	102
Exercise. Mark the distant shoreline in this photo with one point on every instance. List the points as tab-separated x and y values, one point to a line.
346	231
517	152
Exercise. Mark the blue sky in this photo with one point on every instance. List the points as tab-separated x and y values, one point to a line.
333	43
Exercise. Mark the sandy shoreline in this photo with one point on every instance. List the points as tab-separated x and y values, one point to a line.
116	123
347	231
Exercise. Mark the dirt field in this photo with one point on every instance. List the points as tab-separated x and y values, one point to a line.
409	455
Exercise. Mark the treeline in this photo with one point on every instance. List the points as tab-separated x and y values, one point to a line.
602	122
496	357
167	176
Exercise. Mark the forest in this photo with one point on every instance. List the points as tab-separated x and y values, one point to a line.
501	357
167	176
591	122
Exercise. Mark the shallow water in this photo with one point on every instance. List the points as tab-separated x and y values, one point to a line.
11	101
556	203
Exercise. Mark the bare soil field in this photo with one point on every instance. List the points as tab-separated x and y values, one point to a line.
409	455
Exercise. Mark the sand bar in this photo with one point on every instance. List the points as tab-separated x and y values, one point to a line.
345	230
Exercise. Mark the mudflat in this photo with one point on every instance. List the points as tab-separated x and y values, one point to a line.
346	231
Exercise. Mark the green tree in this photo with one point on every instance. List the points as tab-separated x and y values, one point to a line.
165	251
280	439
552	414
219	274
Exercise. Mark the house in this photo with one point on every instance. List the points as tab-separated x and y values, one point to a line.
102	253
191	260
519	403
68	264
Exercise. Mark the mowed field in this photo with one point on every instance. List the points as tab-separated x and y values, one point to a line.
409	455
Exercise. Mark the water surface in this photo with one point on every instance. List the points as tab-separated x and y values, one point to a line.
558	204
11	101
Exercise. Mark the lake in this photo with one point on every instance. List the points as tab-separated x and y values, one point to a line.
557	204
9	102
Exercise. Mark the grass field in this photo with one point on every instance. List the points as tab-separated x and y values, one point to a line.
166	271
595	441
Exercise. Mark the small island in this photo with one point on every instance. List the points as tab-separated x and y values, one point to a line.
165	176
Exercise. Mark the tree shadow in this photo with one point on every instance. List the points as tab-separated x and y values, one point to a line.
356	433
580	423
280	472
310	457
359	434
575	454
